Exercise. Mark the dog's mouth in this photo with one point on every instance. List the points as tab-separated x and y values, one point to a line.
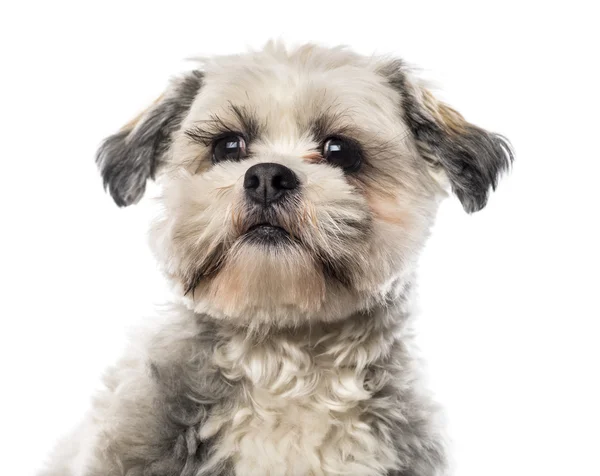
266	233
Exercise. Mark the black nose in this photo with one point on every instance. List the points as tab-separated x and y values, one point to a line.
267	183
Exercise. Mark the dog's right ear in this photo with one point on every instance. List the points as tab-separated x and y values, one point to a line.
130	157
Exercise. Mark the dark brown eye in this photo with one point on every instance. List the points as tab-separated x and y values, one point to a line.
342	152
230	147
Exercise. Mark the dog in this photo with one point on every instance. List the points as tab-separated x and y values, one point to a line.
298	187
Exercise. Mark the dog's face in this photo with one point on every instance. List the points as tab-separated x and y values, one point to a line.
297	185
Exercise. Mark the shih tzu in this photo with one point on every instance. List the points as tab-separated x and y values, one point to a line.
298	188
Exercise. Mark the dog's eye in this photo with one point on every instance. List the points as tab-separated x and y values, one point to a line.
342	152
230	147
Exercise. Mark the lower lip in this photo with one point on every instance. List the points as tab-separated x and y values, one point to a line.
267	233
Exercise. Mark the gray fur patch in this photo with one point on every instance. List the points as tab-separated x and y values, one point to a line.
130	157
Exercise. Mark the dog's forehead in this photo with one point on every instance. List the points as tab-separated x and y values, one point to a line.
288	93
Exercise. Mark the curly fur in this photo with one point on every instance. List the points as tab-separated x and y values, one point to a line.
287	358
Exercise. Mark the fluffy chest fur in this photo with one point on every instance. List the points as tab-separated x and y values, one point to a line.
302	409
202	399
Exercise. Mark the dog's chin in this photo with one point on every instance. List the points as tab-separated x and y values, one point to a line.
268	278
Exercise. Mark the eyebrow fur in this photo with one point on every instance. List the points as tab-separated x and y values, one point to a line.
205	131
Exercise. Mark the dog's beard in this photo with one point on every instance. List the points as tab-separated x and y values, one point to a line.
267	280
284	257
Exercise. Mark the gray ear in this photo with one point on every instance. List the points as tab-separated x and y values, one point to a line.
472	158
131	156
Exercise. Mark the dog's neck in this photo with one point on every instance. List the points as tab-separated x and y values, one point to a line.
275	358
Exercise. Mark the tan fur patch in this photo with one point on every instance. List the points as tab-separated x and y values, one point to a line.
254	278
133	122
447	117
313	157
388	209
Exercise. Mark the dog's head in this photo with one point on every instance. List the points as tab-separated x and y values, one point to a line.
297	185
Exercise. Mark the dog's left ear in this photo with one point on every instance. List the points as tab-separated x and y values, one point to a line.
130	157
472	158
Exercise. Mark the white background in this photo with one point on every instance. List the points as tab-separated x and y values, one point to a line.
509	296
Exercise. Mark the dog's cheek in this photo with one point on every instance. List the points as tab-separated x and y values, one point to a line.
400	227
333	199
196	217
387	209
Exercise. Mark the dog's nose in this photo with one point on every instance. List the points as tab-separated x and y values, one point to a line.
267	183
